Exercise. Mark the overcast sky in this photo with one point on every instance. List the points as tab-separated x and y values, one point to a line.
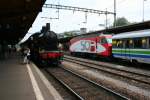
132	10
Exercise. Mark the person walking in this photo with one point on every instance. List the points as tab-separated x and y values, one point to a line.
26	56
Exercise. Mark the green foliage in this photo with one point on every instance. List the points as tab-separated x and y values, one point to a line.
121	22
71	33
68	34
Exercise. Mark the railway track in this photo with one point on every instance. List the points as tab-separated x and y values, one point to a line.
65	93
83	88
108	68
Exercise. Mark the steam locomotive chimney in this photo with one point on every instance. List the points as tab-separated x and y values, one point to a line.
48	26
43	29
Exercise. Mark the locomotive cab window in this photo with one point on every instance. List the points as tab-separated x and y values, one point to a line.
103	40
109	40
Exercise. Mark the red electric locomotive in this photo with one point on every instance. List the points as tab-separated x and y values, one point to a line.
92	44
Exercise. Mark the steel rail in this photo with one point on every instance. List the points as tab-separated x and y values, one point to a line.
108	66
107	89
65	85
128	77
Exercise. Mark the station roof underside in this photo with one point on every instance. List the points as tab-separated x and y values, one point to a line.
16	17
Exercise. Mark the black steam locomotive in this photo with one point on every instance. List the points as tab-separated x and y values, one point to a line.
44	48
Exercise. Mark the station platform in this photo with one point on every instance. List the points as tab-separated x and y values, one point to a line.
20	81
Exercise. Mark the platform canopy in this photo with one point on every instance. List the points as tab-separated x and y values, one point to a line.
16	17
116	30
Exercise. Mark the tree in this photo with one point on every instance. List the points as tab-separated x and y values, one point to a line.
71	33
68	34
121	22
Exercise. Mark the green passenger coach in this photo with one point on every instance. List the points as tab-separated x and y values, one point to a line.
133	46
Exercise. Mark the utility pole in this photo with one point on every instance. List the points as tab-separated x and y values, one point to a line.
114	13
85	22
106	19
143	9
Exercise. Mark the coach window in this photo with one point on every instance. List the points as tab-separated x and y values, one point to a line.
114	43
144	43
120	44
126	44
117	42
149	42
138	43
131	45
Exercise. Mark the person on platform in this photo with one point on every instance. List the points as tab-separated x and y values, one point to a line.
26	56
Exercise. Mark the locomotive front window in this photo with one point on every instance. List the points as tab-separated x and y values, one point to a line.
109	40
103	40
